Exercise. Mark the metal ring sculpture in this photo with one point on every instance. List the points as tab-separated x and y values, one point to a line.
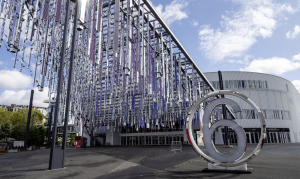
220	160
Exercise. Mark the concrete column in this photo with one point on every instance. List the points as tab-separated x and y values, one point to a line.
151	140
165	140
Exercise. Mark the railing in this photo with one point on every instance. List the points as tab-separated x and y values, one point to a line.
176	145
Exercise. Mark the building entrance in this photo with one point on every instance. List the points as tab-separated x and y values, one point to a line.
273	137
252	137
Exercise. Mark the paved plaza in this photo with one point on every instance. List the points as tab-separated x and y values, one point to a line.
274	161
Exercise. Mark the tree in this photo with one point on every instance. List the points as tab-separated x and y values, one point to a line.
41	135
33	136
38	116
37	136
5	131
21	116
71	139
4	116
19	131
17	118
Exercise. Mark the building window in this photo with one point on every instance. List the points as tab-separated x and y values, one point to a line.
287	88
267	114
229	84
264	113
249	114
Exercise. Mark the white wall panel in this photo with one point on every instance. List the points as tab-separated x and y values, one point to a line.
254	96
263	99
271	100
278	100
284	100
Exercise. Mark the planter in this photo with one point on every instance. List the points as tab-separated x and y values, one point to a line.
2	151
12	151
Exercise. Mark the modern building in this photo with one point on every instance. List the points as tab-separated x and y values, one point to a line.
277	98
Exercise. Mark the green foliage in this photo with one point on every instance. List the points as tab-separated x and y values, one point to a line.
21	116
4	116
42	135
37	136
19	131
38	116
17	117
5	131
71	140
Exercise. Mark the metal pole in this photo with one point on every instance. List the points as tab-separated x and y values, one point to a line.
28	120
32	121
49	126
70	80
223	106
53	164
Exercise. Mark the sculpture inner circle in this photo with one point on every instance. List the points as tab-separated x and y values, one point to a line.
218	159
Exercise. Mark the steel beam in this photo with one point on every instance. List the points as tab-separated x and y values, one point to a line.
28	120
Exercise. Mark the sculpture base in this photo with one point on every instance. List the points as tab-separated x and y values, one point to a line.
242	169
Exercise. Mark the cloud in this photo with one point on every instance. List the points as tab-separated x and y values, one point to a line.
172	12
273	65
22	97
240	30
296	57
296	83
14	80
294	34
1	62
236	61
194	23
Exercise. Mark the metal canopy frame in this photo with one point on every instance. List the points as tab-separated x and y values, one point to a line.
116	65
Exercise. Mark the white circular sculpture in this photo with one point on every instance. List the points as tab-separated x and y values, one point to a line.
219	159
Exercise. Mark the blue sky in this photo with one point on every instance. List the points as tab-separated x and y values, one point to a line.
228	35
233	35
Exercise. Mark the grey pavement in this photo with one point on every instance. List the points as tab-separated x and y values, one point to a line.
274	161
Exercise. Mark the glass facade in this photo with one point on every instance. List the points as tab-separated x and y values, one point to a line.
151	140
274	135
268	114
230	84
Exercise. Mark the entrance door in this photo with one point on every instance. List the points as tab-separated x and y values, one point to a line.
284	137
253	137
274	137
248	136
256	137
288	137
280	137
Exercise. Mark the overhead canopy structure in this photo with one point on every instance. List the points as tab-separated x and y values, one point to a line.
107	63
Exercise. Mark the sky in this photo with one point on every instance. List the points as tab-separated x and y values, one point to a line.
227	35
